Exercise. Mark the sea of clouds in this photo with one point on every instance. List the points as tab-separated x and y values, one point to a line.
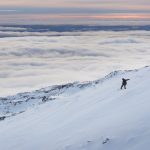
42	59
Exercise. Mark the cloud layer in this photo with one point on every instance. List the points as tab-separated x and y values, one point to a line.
28	63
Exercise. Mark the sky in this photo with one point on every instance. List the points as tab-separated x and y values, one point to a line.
74	11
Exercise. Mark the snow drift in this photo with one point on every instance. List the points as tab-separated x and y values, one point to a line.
80	116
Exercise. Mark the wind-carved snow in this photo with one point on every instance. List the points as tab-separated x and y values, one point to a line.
94	115
19	103
13	105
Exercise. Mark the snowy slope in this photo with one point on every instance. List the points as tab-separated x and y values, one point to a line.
13	105
80	116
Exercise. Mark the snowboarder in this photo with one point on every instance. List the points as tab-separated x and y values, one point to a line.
124	83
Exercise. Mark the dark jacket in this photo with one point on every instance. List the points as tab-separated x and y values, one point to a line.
124	81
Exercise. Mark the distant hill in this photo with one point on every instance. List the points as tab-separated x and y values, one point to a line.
72	28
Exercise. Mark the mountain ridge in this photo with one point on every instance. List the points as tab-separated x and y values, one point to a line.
100	117
42	95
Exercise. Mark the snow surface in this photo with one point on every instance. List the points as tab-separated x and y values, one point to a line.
80	116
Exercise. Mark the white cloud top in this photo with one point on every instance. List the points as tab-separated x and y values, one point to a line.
28	63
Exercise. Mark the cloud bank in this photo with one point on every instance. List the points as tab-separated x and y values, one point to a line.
32	62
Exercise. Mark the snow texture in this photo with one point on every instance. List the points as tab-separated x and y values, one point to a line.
80	116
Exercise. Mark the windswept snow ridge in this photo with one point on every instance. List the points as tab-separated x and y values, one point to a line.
13	105
93	115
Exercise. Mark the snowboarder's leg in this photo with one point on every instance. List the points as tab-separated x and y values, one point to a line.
125	86
121	86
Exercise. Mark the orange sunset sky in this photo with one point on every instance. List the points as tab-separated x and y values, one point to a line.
73	11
